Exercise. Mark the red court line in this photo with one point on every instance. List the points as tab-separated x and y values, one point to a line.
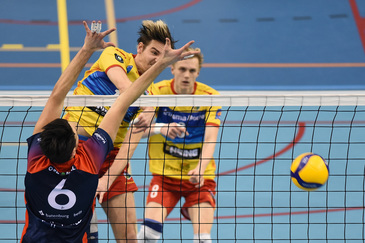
331	210
280	214
301	126
120	20
360	21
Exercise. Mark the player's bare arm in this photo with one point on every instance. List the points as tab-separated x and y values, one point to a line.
113	118
54	106
210	139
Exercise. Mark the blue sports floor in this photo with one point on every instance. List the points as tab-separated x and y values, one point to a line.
248	45
256	200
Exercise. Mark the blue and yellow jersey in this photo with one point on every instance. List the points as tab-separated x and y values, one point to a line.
175	158
96	82
59	198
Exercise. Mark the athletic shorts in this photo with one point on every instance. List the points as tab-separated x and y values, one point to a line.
123	183
168	192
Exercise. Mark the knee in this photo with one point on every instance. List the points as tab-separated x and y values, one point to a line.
151	230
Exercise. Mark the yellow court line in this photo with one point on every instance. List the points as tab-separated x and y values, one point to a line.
110	16
63	33
48	48
53	46
12	46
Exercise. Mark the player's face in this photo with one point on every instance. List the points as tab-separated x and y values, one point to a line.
185	73
148	55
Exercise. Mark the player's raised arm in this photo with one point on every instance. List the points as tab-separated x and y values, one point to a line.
113	118
53	108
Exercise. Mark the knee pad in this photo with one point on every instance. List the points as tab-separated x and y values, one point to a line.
150	231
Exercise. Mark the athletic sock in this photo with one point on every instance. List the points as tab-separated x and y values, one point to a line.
202	238
92	234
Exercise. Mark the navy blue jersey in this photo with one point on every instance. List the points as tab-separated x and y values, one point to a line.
60	197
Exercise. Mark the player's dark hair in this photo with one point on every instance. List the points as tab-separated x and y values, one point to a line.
157	30
58	141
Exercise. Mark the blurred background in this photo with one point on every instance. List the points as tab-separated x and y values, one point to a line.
247	44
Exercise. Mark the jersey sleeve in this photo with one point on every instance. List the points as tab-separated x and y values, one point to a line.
213	116
111	57
34	148
98	147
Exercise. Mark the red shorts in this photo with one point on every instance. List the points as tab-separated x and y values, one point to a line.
124	182
168	192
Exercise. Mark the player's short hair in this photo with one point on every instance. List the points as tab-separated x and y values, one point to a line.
200	55
58	141
157	30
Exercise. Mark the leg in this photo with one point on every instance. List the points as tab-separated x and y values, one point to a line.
202	216
160	201
199	208
121	212
93	234
151	228
155	211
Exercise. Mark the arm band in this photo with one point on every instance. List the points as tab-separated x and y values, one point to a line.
157	128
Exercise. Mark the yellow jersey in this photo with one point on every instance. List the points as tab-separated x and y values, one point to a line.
96	82
175	158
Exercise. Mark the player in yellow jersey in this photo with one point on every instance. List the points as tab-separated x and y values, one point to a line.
112	74
181	148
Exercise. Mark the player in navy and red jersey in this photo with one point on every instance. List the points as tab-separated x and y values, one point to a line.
62	174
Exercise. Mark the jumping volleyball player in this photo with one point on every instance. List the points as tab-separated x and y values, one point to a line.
59	165
113	73
181	148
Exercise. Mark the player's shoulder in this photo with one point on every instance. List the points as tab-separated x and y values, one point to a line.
117	51
163	83
204	89
162	86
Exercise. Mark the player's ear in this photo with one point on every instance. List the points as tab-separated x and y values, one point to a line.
73	153
172	69
140	47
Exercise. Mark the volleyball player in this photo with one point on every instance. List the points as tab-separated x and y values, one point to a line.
61	177
111	74
181	149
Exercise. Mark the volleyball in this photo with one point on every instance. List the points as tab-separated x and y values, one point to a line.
309	171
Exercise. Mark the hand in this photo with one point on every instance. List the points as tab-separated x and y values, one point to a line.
196	177
171	56
144	120
94	41
173	130
102	188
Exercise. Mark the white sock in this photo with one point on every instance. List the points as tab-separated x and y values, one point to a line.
148	235
202	238
94	223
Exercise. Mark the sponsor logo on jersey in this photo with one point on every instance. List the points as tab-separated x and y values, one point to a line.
182	153
218	115
118	58
100	138
129	68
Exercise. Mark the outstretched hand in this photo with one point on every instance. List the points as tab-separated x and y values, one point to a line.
94	40
171	56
